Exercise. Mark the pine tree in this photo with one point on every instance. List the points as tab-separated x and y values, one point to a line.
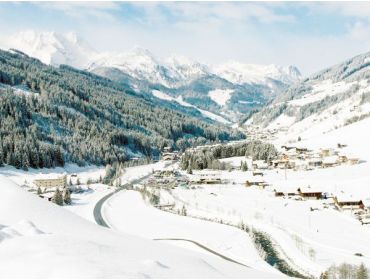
183	211
362	272
67	196
39	191
57	198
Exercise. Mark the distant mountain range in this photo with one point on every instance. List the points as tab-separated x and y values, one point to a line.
329	99
228	90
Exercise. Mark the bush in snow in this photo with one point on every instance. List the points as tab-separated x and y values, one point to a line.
57	198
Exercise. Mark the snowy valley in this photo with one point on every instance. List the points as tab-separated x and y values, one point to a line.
143	168
241	87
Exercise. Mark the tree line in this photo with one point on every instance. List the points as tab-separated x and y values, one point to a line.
67	115
208	157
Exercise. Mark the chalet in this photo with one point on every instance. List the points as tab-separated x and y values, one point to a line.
279	193
350	203
308	193
51	183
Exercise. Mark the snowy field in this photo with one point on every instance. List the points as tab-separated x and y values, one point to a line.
312	239
46	241
127	212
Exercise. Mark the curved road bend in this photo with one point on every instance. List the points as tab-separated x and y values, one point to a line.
100	221
203	247
98	206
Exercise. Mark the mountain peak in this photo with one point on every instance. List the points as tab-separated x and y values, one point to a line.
53	48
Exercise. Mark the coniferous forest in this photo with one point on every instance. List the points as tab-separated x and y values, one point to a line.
50	116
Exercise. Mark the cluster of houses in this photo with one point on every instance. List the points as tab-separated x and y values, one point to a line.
257	133
300	158
166	179
359	207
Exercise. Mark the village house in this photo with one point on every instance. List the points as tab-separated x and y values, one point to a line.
348	202
60	182
279	193
309	193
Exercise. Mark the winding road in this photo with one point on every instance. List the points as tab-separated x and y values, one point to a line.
98	206
100	221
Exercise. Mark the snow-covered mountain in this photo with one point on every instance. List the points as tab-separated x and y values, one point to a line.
231	89
179	70
240	73
53	48
326	101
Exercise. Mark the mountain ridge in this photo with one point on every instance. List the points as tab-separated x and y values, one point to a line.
176	76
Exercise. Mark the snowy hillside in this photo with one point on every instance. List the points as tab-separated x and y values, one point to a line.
326	101
240	73
241	87
45	240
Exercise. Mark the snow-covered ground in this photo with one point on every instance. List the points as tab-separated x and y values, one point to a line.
208	114
220	96
313	240
42	240
127	212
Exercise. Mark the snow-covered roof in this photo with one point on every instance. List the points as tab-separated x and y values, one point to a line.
347	197
330	160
